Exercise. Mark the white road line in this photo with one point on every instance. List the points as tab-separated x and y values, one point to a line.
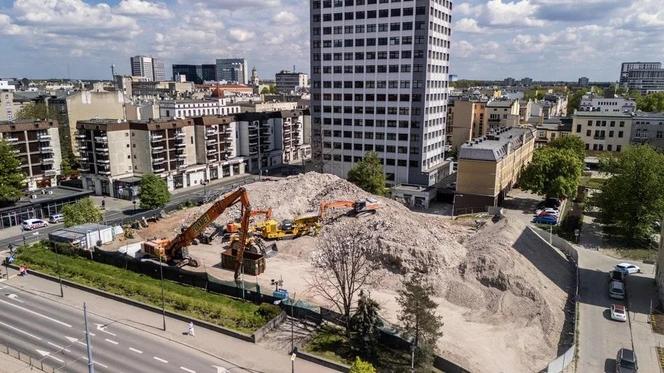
111	341
58	347
75	340
160	359
36	313
188	370
20	331
102	328
96	362
48	354
135	350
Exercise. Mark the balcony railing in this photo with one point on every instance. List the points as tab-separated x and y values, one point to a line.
158	160
44	137
50	172
180	145
158	149
158	169
155	138
46	149
101	139
211	132
104	161
80	136
179	135
11	139
48	160
102	150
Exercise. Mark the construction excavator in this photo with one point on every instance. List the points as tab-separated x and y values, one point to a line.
234	227
176	251
359	207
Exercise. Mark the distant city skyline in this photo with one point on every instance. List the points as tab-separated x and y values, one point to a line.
491	39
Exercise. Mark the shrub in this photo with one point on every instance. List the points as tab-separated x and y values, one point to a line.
268	311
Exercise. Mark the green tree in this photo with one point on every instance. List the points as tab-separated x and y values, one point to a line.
360	366
573	143
651	102
81	212
633	198
154	192
553	172
368	174
418	318
36	110
574	101
12	179
365	325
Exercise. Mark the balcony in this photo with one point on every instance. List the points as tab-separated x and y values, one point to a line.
104	172
46	149
50	172
158	149
211	151
181	156
82	147
211	131
210	141
11	139
49	160
44	137
80	136
179	135
158	160
155	138
103	161
101	139
180	145
158	169
102	150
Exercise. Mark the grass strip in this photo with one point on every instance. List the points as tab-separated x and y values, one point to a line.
235	314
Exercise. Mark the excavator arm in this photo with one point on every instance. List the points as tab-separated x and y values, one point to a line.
324	205
184	239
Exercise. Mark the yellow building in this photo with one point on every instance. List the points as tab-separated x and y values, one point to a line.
603	131
490	166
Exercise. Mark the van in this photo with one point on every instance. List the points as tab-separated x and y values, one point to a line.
616	290
30	224
56	218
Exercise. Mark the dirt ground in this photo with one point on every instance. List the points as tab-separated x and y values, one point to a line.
501	312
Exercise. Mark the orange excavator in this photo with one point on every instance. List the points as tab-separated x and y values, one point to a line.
234	227
175	251
359	208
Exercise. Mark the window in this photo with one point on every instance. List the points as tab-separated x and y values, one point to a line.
588	133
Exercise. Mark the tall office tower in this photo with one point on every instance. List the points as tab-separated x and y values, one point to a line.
233	70
150	68
380	83
644	77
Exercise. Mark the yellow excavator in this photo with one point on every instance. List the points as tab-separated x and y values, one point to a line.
175	251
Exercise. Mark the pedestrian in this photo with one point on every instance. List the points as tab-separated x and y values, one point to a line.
103	204
191	328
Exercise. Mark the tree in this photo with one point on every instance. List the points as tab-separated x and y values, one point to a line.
368	174
12	179
553	172
573	143
633	198
365	325
342	265
574	101
418	317
36	110
360	366
81	212
652	102
154	192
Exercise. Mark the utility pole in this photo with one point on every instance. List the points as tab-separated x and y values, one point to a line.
292	335
91	365
163	302
57	258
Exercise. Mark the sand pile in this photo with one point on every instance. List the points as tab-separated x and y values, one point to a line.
501	313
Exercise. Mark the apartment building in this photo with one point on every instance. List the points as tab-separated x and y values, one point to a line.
603	131
552	129
591	102
644	77
37	144
289	81
194	108
648	128
85	105
216	146
7	111
502	113
380	83
488	167
272	139
468	120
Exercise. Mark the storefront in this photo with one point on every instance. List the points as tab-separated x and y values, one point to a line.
40	204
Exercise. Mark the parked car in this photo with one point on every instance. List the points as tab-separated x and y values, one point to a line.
628	268
617	290
56	218
617	276
30	224
552	202
547	211
618	312
546	219
626	361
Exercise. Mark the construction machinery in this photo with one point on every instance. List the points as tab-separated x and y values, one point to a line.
273	230
176	251
359	207
235	226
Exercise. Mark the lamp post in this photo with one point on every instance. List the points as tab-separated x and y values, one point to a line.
163	302
91	365
57	259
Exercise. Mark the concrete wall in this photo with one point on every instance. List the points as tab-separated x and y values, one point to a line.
118	145
88	105
141	150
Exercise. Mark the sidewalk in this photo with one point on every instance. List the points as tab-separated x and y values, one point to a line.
243	354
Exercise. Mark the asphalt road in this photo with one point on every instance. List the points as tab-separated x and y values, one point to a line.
55	333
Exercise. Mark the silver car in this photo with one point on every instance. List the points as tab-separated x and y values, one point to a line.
616	290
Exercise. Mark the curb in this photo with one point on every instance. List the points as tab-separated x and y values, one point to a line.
322	361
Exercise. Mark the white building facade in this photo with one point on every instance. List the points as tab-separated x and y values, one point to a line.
195	108
380	83
616	104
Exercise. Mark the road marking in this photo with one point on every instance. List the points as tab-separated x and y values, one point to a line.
135	350
14	297
75	340
102	328
36	313
48	354
58	347
20	331
95	362
111	341
220	369
188	370
160	359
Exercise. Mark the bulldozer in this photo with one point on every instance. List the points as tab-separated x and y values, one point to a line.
176	252
359	208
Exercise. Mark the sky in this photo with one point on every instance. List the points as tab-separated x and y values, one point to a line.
491	39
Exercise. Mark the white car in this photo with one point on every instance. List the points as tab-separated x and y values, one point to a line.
628	268
618	312
30	224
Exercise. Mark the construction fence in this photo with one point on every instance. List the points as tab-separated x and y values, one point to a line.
34	363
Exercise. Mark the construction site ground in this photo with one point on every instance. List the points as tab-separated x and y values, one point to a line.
502	300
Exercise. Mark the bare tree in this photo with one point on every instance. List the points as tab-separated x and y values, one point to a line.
343	265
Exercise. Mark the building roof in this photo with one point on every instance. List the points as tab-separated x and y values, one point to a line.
27	125
496	145
500	103
593	114
47	195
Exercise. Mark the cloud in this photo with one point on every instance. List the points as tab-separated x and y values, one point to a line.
143	8
235	4
285	17
241	35
516	13
7	27
467	25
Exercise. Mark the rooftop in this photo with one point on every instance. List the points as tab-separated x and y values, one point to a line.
593	114
496	145
47	195
500	103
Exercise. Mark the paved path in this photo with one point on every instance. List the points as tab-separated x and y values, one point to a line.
127	339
